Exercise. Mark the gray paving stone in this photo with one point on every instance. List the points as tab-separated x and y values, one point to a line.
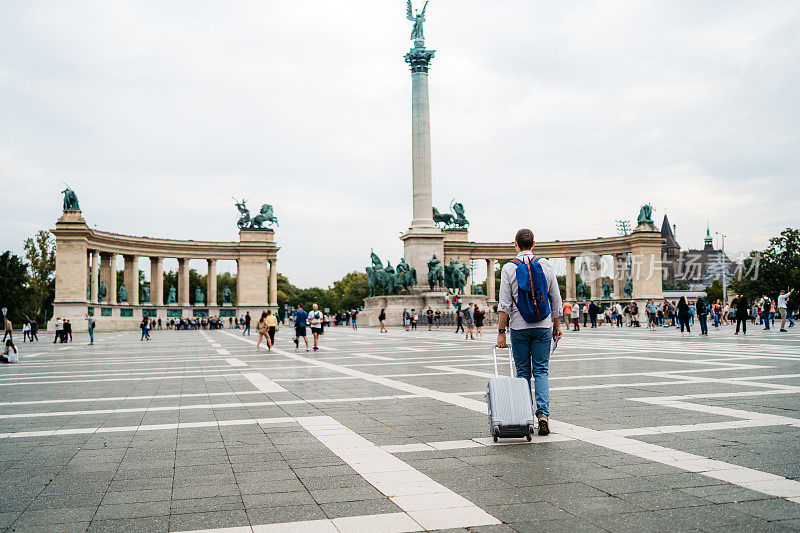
210	520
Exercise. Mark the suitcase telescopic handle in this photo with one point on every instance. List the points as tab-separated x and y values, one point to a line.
510	362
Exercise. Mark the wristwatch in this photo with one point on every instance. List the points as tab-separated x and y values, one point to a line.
501	330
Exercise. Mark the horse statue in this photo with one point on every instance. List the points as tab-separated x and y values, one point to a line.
70	200
439	218
266	215
406	275
244	218
380	277
459	220
455	276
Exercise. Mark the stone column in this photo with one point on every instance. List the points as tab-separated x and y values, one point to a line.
211	283
95	275
183	281
571	289
596	283
132	278
157	280
646	275
273	282
418	58
111	289
490	283
619	276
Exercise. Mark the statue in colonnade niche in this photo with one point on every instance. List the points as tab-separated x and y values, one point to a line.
145	294
628	289
122	293
581	290
226	295
455	276
88	291
172	296
101	292
199	298
606	289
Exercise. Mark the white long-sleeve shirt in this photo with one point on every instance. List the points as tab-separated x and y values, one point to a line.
509	288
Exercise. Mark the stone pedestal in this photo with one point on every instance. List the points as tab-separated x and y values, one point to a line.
418	248
395	304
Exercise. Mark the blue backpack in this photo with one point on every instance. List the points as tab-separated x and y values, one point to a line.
533	305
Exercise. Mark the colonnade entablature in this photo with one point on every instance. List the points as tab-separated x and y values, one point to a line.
86	275
637	261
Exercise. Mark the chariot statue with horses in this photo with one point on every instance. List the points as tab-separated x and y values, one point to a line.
266	214
455	219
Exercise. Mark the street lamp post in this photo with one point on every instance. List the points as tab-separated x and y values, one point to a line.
724	270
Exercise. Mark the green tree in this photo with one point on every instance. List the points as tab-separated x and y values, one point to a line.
714	291
775	268
14	289
41	254
350	291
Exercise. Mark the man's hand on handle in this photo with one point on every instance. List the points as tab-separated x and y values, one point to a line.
501	340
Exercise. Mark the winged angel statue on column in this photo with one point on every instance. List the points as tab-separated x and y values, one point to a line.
416	34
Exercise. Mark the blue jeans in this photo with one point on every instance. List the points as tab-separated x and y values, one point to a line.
355	324
703	324
531	347
91	335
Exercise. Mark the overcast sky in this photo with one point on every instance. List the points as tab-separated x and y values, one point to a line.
556	115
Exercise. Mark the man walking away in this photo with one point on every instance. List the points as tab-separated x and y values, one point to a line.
59	331
702	314
429	314
766	305
34	330
530	304
246	324
300	320
90	328
7	333
742	310
67	330
782	308
459	320
315	321
593	310
469	318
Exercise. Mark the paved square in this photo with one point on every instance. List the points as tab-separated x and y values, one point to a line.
388	432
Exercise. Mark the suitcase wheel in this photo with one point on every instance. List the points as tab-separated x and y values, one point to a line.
528	436
496	434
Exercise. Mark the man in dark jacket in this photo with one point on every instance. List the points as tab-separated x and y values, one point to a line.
742	307
702	314
593	311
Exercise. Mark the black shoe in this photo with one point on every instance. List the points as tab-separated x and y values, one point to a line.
783	330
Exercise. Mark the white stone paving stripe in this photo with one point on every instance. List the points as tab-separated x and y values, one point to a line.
233	361
198	376
131	398
145	427
228	405
262	382
223	351
427	502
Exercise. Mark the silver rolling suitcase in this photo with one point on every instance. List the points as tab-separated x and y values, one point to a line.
509	402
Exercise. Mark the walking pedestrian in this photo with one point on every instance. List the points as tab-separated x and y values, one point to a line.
246	324
26	331
532	328
8	331
261	326
567	312
783	309
576	317
67	330
437	318
742	307
382	320
702	314
272	328
429	316
59	330
766	305
354	319
34	330
480	315
683	315
459	320
145	327
315	321
406	319
469	319
300	321
593	310
90	327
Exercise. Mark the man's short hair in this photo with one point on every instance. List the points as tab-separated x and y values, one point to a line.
524	239
299	306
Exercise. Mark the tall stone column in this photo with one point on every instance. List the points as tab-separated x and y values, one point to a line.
571	289
619	276
211	283
491	288
132	278
95	276
183	281
423	239
112	278
273	282
646	275
594	273
157	280
418	58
